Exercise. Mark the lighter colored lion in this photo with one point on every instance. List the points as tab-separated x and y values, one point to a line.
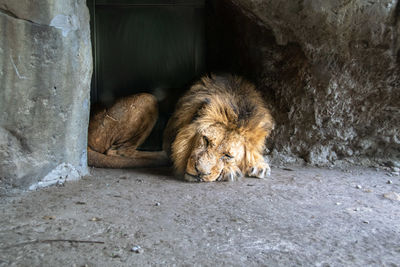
217	132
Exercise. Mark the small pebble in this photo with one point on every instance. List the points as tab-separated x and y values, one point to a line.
395	169
366	222
358	186
338	203
157	204
115	255
392	196
287	169
137	249
95	219
395	173
389	182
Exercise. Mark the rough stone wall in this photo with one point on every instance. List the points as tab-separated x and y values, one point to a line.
330	70
45	72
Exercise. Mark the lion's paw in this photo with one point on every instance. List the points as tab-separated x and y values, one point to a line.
261	171
231	176
112	152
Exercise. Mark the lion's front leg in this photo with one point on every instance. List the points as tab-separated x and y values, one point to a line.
258	167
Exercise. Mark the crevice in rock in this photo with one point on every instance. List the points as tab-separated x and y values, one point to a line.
395	23
396	14
8	13
14	16
248	13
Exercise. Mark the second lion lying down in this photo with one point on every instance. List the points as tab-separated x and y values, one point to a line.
216	133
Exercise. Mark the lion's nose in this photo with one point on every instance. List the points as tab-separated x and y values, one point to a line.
201	174
198	178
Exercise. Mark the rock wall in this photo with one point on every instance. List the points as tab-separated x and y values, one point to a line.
329	69
45	72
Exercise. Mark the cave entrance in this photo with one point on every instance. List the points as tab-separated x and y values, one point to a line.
154	46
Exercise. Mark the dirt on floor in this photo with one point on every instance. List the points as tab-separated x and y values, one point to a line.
299	216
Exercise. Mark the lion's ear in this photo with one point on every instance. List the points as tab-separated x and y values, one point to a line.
259	128
265	121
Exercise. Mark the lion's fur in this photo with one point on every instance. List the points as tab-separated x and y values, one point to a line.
115	133
232	114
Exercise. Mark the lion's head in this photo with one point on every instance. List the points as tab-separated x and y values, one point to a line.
215	155
218	130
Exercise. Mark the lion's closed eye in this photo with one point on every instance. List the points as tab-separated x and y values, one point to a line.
227	157
206	141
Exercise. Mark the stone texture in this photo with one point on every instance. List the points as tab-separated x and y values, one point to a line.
45	71
330	70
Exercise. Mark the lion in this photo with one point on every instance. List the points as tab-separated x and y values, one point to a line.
115	133
217	132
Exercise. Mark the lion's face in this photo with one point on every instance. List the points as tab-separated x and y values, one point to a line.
216	153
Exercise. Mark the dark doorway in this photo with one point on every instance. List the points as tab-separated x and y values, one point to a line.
154	46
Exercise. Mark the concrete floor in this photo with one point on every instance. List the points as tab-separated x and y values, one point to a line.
300	216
